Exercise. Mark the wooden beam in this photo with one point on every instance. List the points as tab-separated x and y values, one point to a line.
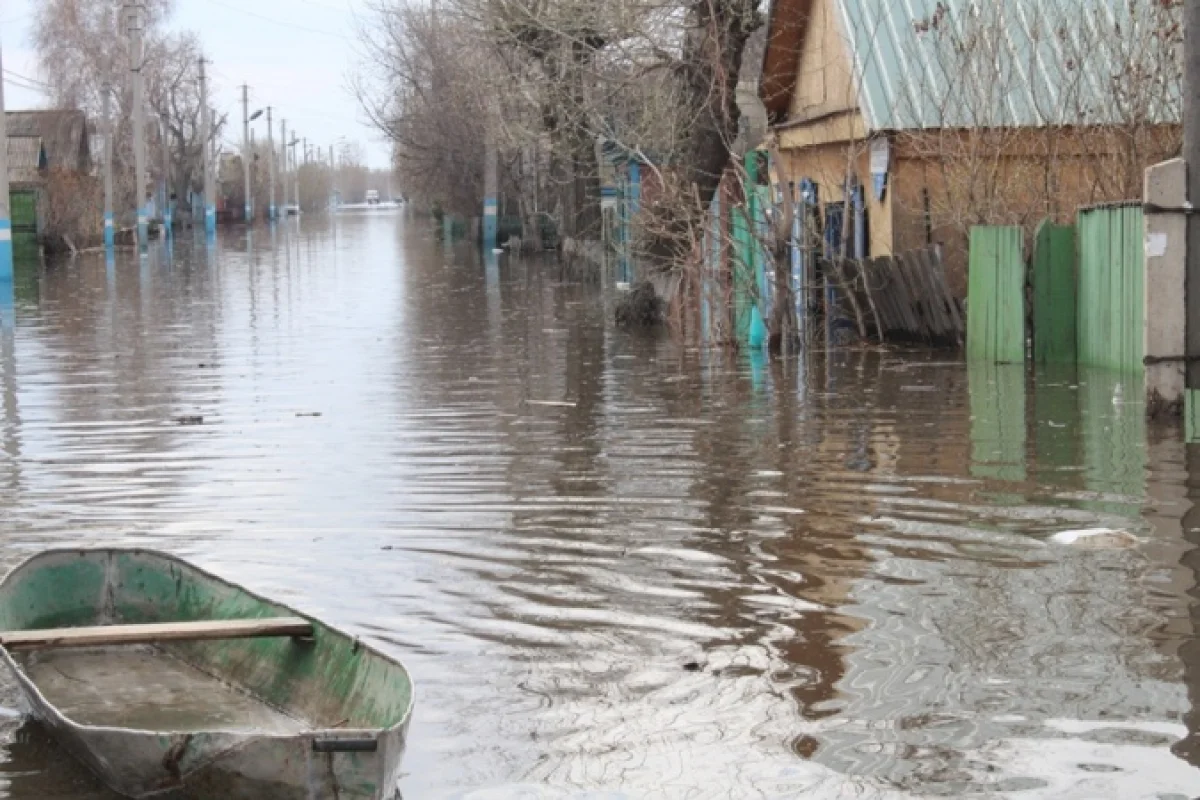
207	630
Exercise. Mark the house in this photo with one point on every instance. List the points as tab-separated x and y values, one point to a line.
932	116
65	135
49	154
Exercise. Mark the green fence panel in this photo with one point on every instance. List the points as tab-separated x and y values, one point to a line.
996	296
1111	288
1054	298
23	207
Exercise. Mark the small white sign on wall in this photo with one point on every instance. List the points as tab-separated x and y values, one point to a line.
1156	245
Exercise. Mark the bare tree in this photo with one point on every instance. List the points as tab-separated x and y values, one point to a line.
83	49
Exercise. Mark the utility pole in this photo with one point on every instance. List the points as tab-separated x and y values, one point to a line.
166	196
110	233
283	142
210	205
134	9
1191	154
333	177
246	153
6	244
490	199
296	172
271	163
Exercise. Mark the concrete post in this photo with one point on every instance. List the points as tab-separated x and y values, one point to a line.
1165	325
296	172
110	234
139	122
1191	154
491	206
210	197
6	244
166	195
271	163
247	153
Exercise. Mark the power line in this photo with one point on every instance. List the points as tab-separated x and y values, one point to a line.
344	8
12	80
26	78
281	22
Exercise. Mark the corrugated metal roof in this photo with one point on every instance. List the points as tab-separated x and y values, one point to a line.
64	133
993	63
26	158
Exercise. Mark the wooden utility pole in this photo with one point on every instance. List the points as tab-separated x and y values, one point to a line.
271	163
210	204
134	18
1191	154
6	244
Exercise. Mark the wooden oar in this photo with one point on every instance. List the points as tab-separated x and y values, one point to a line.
207	630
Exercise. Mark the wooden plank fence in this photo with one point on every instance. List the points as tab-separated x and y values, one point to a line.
906	299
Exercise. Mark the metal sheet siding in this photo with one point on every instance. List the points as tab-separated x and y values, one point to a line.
1054	62
1111	312
1054	294
996	296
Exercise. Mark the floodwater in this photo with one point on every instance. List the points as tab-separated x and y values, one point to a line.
617	565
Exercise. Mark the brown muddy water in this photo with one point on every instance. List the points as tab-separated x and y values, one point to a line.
619	566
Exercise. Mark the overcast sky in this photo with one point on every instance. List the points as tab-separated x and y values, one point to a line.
296	55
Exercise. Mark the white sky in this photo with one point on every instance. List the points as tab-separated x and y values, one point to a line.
297	56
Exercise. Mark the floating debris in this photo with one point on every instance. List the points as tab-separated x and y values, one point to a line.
190	419
1097	539
551	403
781	510
693	666
308	413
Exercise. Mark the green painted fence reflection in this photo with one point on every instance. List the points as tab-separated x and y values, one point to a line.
1056	427
998	439
1113	430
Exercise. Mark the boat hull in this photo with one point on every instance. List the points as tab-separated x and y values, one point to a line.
351	703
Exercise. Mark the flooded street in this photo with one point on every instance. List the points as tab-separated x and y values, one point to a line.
616	565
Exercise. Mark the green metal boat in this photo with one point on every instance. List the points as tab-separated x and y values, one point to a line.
168	681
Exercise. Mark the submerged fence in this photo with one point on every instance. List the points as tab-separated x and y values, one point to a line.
1085	288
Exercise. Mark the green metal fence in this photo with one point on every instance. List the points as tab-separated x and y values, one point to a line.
1111	288
23	207
996	296
1054	298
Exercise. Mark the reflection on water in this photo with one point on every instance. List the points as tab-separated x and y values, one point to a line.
618	565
